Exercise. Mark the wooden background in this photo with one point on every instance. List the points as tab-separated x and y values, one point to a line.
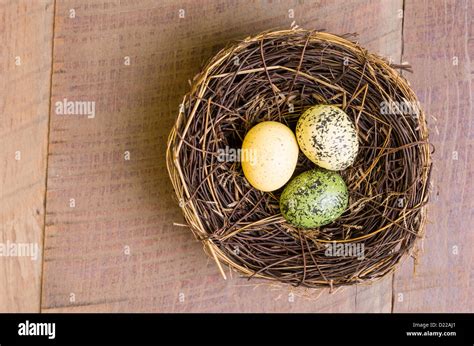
117	249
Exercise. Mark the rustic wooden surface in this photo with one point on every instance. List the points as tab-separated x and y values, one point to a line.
26	30
116	248
439	43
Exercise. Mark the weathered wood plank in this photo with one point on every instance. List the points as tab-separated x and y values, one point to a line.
439	43
125	205
26	35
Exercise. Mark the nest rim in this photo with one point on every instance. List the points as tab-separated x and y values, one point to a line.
186	192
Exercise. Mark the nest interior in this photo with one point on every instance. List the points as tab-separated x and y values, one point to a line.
276	76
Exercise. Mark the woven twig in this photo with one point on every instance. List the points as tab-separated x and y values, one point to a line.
275	76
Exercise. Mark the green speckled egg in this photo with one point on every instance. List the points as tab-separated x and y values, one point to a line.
327	136
314	198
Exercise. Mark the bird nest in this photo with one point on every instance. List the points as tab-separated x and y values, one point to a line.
276	76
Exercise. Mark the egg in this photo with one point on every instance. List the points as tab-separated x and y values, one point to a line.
314	198
327	136
269	155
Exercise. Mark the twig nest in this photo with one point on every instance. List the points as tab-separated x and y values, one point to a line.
276	76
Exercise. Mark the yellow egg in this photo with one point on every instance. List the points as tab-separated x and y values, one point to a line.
269	155
327	136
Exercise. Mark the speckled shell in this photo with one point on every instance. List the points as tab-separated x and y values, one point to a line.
314	198
272	152
327	136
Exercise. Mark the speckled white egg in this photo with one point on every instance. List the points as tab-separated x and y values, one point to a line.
327	136
269	155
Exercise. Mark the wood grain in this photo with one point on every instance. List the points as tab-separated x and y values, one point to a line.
123	205
439	43
26	33
127	205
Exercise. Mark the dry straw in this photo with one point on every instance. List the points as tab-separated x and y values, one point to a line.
275	76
